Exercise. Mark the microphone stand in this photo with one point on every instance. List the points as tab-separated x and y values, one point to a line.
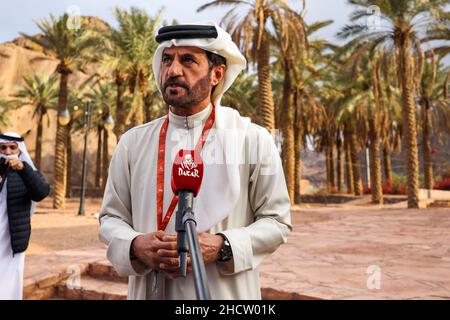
185	225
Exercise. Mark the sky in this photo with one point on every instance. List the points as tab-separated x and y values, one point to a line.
19	15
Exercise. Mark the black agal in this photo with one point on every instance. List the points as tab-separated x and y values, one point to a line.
186	31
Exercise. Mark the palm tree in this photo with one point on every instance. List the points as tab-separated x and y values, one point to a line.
41	93
243	96
440	32
435	111
349	166
103	99
310	70
129	53
292	50
359	112
348	118
376	108
75	103
249	23
399	31
72	48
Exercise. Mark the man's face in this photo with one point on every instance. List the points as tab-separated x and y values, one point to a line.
186	79
9	148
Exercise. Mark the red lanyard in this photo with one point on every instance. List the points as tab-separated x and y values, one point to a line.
162	223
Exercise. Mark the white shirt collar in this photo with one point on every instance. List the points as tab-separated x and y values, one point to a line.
192	121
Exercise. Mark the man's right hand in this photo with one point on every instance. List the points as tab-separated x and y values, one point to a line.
158	250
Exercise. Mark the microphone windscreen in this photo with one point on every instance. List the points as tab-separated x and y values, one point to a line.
187	172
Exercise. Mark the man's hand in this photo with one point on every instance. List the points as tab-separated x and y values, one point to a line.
158	250
15	164
211	245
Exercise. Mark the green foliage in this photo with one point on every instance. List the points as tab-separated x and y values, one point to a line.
39	91
243	96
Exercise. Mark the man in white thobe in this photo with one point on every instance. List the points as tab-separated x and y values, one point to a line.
242	209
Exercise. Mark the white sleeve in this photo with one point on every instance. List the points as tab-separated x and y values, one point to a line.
116	224
270	203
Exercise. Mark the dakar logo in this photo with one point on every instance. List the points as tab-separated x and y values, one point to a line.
188	167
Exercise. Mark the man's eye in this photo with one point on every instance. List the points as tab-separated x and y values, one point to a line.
188	59
166	59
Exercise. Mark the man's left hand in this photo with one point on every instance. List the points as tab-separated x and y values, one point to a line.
15	164
211	245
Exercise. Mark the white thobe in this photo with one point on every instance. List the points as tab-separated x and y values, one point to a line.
11	267
258	223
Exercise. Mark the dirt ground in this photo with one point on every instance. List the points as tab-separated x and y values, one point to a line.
62	230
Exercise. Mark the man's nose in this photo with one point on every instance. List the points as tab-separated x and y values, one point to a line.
175	69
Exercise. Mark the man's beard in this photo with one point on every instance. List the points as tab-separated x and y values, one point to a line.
199	92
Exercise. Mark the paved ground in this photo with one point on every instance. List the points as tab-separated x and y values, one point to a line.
337	253
334	252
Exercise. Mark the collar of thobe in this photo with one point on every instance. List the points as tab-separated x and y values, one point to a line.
189	122
222	159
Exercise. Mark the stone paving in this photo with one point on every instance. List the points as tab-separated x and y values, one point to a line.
333	252
337	253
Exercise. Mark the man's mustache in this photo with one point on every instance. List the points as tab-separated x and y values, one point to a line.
176	81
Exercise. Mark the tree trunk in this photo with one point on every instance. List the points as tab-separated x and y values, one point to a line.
298	147
340	164
265	95
105	159
121	112
327	166
288	153
69	183
332	182
375	162
426	145
387	161
38	148
409	120
354	152
98	163
348	165
59	200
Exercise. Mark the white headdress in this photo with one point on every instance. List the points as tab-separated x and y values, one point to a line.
222	45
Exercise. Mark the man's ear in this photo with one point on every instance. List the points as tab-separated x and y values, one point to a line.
217	74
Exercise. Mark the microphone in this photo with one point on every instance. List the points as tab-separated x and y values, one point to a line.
187	175
187	172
